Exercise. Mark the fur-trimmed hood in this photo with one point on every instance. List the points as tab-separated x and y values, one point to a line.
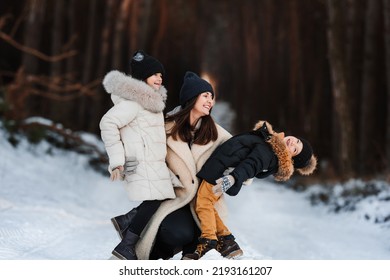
122	86
286	162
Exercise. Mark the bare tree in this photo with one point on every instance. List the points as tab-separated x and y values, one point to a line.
32	34
343	123
71	65
142	23
88	63
56	68
119	33
354	48
106	36
386	16
369	87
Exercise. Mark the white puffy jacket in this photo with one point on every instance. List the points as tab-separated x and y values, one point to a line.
134	126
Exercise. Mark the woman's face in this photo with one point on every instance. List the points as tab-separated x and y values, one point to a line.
155	81
294	145
203	104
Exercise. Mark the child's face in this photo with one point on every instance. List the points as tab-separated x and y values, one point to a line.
155	81
294	145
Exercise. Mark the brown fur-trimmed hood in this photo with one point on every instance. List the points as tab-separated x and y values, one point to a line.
119	85
286	163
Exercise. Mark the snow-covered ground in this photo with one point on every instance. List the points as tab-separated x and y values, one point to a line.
53	206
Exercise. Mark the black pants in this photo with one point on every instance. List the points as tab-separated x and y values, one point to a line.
177	232
145	211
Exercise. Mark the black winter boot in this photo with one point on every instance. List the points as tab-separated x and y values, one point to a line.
122	222
125	250
227	247
203	247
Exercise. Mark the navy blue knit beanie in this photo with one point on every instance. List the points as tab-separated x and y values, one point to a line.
192	86
303	158
143	66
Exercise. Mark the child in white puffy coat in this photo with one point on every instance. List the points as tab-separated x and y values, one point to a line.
134	127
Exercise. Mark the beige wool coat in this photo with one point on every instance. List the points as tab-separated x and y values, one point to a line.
185	164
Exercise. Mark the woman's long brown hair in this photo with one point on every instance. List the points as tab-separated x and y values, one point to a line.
207	131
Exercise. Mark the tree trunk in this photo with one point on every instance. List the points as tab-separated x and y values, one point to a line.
296	100
118	61
386	16
32	39
57	109
294	62
106	36
252	57
162	24
32	34
339	88
89	55
369	89
72	70
145	26
354	49
71	65
102	100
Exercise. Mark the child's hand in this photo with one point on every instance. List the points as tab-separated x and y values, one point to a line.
116	173
223	184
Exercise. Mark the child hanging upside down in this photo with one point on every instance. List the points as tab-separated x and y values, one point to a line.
258	153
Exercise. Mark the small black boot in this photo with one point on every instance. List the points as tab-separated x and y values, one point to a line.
122	222
125	250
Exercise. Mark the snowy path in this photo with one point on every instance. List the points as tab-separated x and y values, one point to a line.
281	224
52	207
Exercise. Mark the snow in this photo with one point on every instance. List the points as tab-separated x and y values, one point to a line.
54	206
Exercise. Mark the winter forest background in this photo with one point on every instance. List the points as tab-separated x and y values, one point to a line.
319	69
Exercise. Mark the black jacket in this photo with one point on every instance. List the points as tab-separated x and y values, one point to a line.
249	153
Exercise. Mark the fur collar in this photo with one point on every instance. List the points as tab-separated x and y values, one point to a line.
127	87
285	165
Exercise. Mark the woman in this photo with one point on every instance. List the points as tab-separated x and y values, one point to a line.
192	136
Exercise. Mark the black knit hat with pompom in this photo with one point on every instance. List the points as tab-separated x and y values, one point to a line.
143	66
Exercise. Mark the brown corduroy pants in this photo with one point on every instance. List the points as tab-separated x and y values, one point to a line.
210	222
